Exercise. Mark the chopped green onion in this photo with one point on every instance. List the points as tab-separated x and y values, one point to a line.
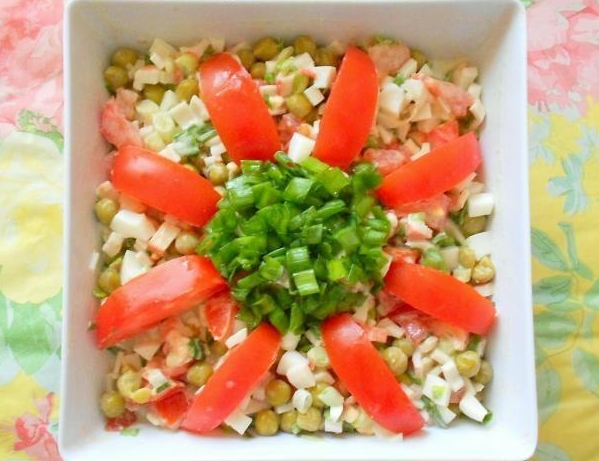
305	282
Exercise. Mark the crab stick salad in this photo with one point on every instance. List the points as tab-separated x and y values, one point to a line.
293	239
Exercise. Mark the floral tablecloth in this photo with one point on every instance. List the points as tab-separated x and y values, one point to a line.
563	64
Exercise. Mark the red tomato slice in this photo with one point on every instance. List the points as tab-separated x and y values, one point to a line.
231	382
163	184
362	370
440	295
434	173
167	289
349	112
237	109
443	133
220	311
172	408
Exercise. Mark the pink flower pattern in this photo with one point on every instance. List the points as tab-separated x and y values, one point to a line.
563	53
31	64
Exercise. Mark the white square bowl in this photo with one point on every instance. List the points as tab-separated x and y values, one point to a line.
490	33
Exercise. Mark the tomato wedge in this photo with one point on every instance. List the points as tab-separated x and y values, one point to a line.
237	109
163	184
349	112
231	382
220	311
362	370
434	173
171	408
167	289
440	295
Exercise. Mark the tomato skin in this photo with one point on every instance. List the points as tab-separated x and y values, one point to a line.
443	133
441	296
349	112
233	380
362	370
163	184
237	109
168	289
434	173
220	312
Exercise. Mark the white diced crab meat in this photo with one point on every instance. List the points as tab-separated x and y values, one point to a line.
332	426
198	49
452	375
289	359
183	115
147	75
146	108
486	289
164	125
113	244
475	90
471	407
198	108
300	147
414	89
301	376
163	237
267	90
481	204
302	400
217	150
155	377
238	421
153	141
392	328
408	68
481	243
391	99
324	377
323	76
437	389
160	52
147	348
331	397
134	263
130	224
446	414
314	95
170	152
478	110
169	100
440	357
303	61
284	84
464	76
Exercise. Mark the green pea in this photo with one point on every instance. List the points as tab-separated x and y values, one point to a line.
186	89
128	383
112	404
468	363
289	422
396	360
483	271
217	349
115	77
315	391
299	105
432	257
198	373
309	421
304	44
326	57
277	392
467	257
154	92
419	57
109	280
266	422
218	174
474	225
258	70
105	209
485	374
267	48
406	346
188	63
124	57
187	242
247	58
300	82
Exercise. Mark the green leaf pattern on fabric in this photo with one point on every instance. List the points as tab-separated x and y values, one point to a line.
549	391
586	366
546	251
550	452
553	330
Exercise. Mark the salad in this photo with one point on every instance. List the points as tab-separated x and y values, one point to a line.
293	239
